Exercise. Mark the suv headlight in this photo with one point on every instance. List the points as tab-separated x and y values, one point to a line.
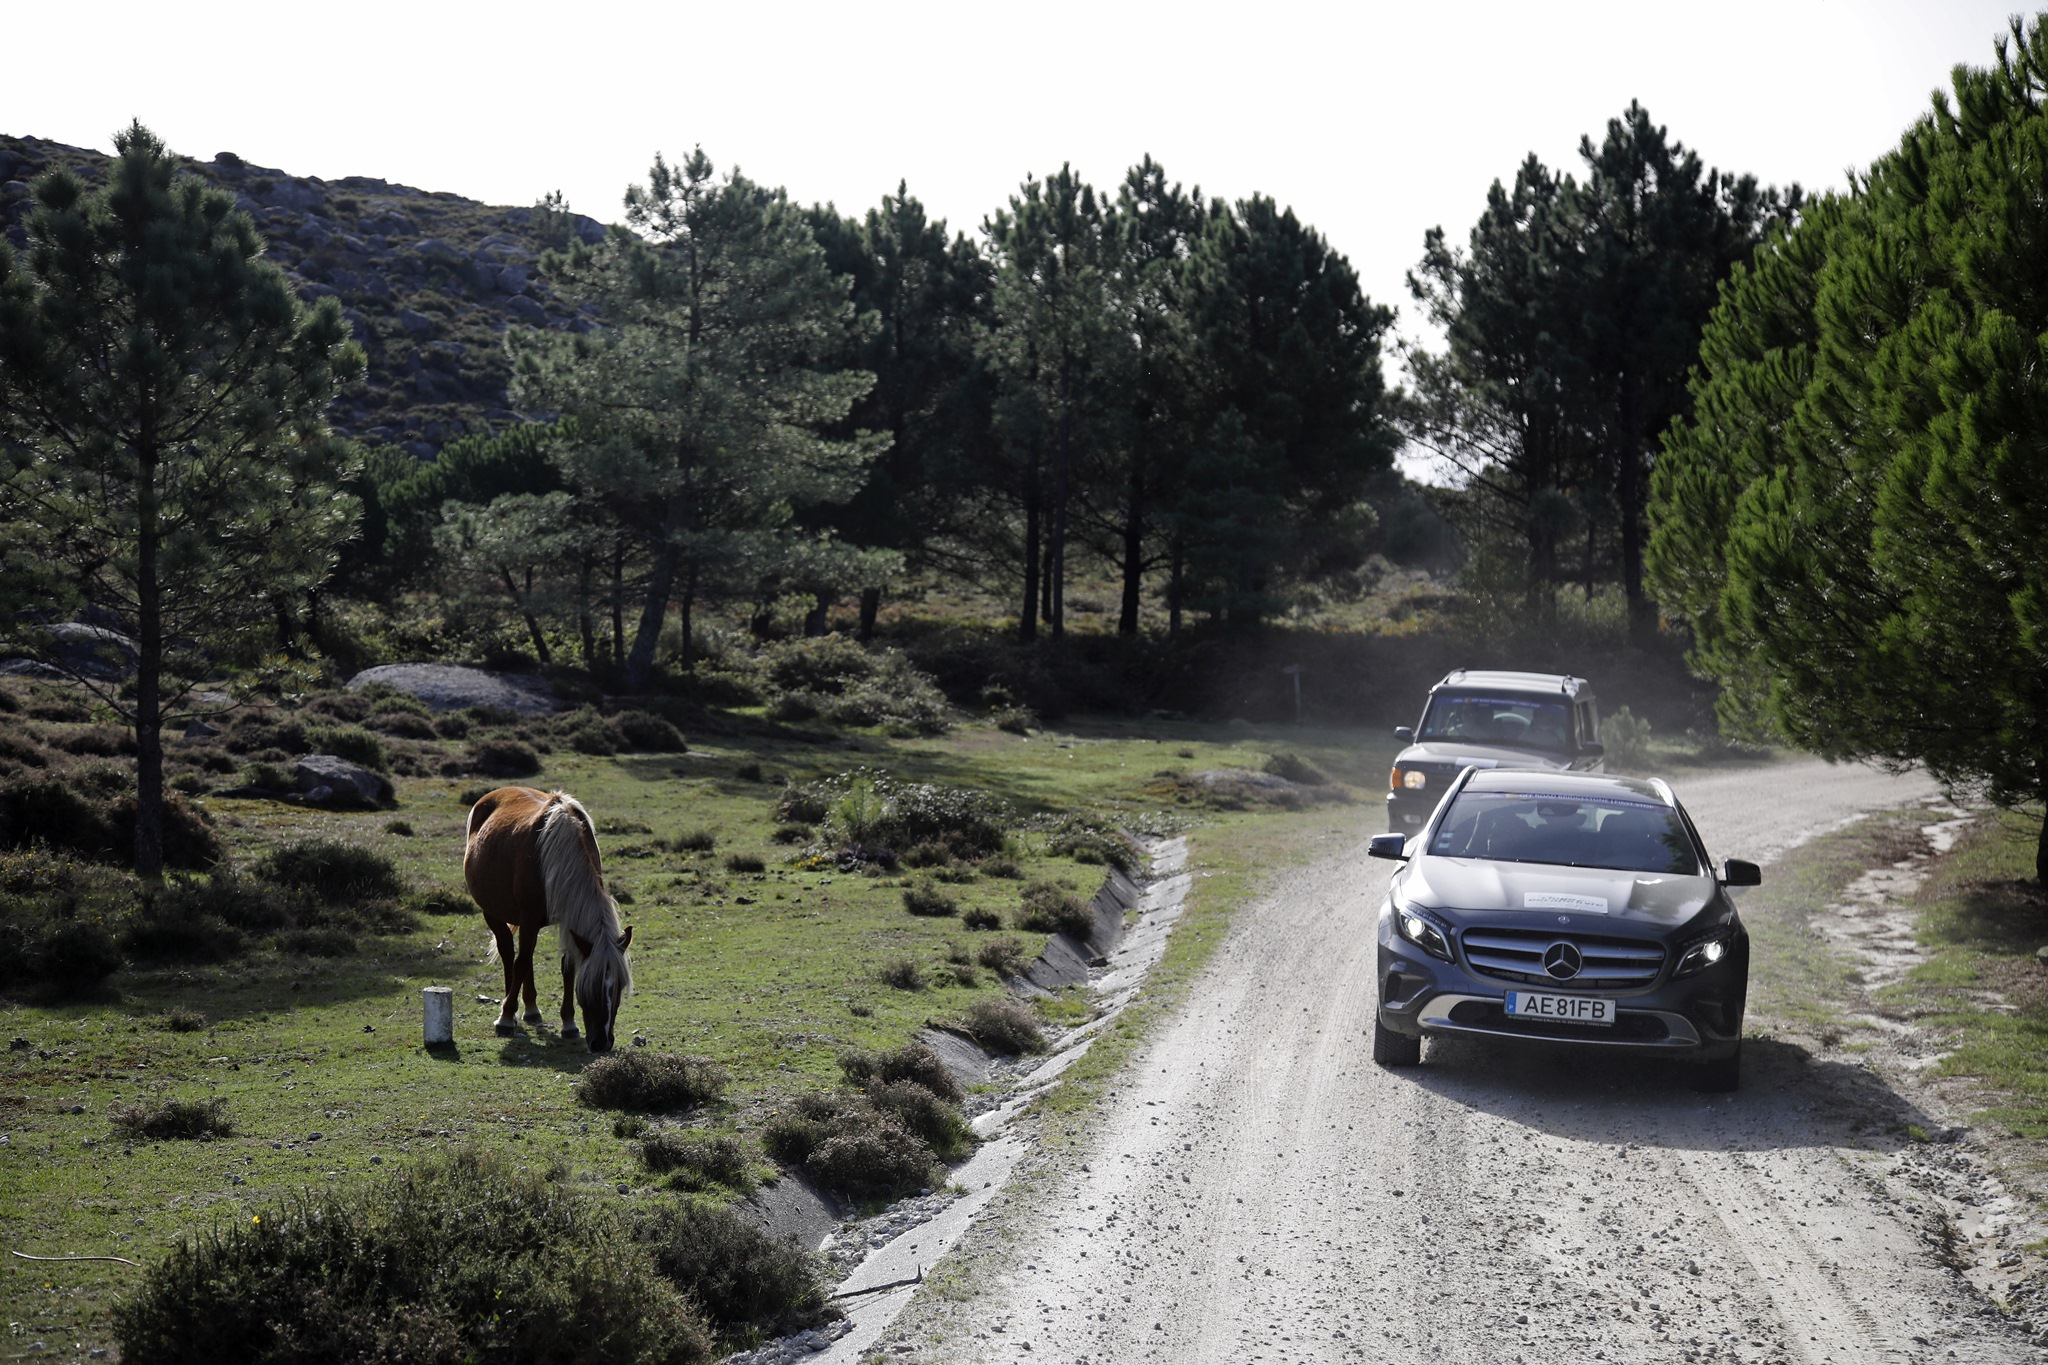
1703	953
1414	779
1423	933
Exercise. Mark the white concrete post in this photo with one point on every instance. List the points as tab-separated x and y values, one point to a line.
439	1004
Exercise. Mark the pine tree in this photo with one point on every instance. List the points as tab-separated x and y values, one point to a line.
161	400
702	399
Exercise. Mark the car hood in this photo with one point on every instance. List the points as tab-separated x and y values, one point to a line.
1481	756
1485	886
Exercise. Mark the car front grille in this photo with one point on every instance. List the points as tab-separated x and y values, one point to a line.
1607	963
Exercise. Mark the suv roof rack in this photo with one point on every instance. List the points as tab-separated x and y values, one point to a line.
1564	684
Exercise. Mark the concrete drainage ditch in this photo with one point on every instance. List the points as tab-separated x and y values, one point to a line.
880	1260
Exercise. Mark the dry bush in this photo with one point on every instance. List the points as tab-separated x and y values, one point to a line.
1003	956
651	1082
902	973
174	1118
1004	1027
924	898
1050	908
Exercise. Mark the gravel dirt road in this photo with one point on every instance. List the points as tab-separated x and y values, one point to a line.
1259	1191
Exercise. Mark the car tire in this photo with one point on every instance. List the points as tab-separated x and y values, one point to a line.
1720	1076
1394	1049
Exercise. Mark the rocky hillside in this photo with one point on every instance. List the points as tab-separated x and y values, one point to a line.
429	281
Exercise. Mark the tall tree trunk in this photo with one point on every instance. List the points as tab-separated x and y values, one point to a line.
584	627
149	662
689	619
1642	616
870	608
520	600
1176	587
1056	575
1027	616
654	605
1134	552
618	604
815	619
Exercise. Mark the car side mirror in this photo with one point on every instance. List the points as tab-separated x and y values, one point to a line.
1405	733
1594	749
1393	846
1741	872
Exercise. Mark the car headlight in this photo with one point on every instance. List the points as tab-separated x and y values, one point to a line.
1422	934
1414	779
1704	953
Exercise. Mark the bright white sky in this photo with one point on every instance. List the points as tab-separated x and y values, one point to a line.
1375	121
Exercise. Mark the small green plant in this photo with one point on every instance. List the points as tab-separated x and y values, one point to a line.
924	898
745	863
651	1082
180	1019
694	841
402	828
903	974
175	1118
349	742
1003	956
980	917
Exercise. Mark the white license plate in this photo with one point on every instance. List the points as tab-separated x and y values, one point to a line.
1564	1009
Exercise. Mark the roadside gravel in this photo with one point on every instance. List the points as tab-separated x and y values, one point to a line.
1260	1191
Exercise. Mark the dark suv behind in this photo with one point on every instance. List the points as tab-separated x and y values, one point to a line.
1486	718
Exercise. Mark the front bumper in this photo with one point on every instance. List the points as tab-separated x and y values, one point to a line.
1698	1017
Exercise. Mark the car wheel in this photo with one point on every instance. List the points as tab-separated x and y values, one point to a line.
1394	1049
1719	1077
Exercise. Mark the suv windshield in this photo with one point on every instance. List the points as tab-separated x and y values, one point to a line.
1524	722
1574	831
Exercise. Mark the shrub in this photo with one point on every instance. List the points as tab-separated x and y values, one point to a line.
589	733
750	1284
405	725
745	862
912	1062
349	742
537	1273
189	840
933	1121
42	807
865	808
316	942
454	725
1087	842
651	1082
694	841
980	917
179	928
1627	737
1005	1027
1050	908
1005	868
646	732
175	1119
22	752
878	1158
925	898
902	973
1295	768
1003	956
72	956
332	870
100	741
440	900
348	706
502	758
694	1161
791	834
182	1020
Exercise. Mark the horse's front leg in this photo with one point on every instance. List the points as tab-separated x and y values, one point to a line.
569	999
508	1011
529	935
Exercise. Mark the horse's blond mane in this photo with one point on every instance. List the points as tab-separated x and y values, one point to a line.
577	902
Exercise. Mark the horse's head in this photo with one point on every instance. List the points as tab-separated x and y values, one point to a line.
602	986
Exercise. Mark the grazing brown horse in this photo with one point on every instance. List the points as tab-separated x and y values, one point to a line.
531	859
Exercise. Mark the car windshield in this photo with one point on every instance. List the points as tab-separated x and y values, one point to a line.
1523	722
1574	831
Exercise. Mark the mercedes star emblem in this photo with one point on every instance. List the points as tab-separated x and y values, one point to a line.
1562	960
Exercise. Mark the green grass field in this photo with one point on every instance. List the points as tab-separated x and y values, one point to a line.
319	1061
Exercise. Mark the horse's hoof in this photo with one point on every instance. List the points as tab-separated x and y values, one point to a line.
507	1029
569	1033
535	1018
